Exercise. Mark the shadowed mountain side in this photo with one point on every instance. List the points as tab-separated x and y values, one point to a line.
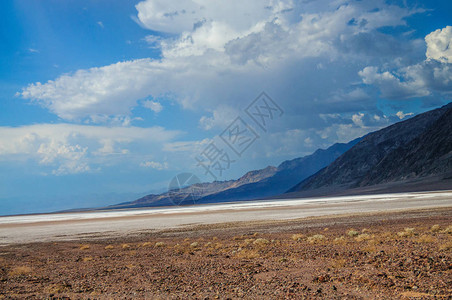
417	147
428	154
288	173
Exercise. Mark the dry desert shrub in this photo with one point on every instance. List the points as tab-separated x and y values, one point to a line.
352	233
386	235
363	237
448	229
125	246
446	246
365	230
109	247
19	271
208	244
84	247
407	232
297	237
246	242
338	263
87	258
339	240
146	244
316	238
435	228
159	244
248	254
194	245
426	239
261	242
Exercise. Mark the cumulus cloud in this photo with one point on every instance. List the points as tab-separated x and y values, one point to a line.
433	75
439	45
153	105
219	51
221	118
392	86
71	149
402	115
187	15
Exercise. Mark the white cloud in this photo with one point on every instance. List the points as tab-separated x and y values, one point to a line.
433	75
358	119
439	45
154	165
70	149
100	24
153	105
221	118
402	115
221	50
392	86
185	15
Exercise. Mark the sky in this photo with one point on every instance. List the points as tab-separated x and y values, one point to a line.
104	101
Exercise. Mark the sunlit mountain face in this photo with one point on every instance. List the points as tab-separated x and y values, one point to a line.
105	102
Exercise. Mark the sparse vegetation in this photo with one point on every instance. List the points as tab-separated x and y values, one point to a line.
248	254
19	271
306	259
261	242
435	228
407	232
339	240
362	237
448	229
316	238
297	237
446	246
352	233
426	239
84	247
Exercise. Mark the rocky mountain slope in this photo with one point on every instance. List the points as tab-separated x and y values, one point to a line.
287	174
416	148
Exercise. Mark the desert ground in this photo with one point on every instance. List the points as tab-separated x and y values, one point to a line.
372	250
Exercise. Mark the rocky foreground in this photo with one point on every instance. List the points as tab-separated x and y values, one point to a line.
375	256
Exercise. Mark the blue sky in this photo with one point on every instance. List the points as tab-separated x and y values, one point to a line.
105	101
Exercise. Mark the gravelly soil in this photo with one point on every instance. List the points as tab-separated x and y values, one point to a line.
385	256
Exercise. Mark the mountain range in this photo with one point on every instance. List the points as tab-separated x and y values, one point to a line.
256	184
411	155
416	150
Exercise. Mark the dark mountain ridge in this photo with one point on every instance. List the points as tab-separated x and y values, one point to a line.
414	148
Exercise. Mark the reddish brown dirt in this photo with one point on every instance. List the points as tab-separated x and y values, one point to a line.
383	261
